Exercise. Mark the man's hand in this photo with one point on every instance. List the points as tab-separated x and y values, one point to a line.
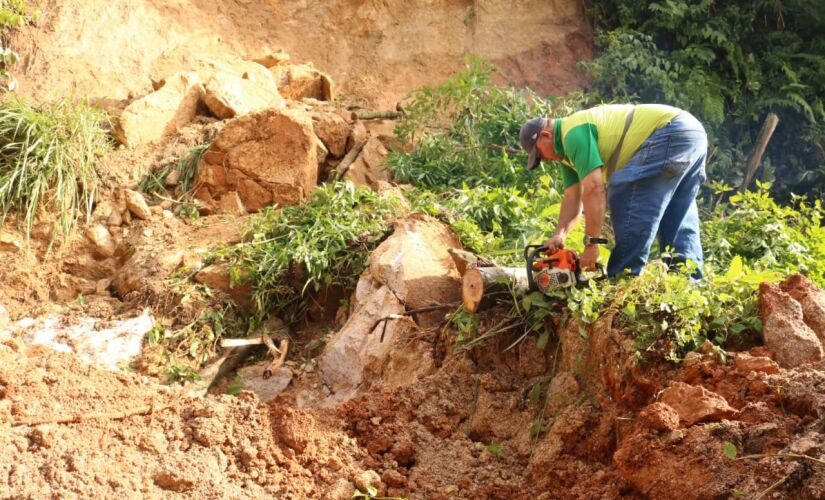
589	257
554	244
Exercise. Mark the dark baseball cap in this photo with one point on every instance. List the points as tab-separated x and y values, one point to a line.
527	137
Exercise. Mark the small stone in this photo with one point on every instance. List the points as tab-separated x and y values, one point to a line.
172	178
102	240
9	242
148	233
166	205
394	478
168	215
367	478
136	204
660	417
746	363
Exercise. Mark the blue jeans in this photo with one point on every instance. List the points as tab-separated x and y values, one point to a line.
655	194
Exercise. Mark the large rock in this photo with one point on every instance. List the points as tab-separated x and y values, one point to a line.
161	113
267	157
229	95
369	168
299	81
206	65
696	404
415	265
812	300
333	131
356	351
791	341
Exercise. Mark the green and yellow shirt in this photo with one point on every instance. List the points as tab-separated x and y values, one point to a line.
588	138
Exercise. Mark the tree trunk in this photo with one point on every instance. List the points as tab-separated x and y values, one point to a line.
481	285
758	150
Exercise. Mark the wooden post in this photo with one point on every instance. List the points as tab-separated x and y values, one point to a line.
758	150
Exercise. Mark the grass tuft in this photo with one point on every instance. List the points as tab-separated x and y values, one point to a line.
47	160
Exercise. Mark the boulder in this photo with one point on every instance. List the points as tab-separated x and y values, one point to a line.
369	169
812	300
696	404
229	95
160	114
230	203
104	244
299	81
415	265
786	335
205	65
136	204
355	351
268	157
333	131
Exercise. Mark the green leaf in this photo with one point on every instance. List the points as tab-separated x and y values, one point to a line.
729	449
543	339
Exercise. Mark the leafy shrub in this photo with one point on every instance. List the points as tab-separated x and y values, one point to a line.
47	159
750	241
295	249
767	236
465	132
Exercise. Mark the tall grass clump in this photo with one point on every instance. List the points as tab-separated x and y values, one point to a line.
47	160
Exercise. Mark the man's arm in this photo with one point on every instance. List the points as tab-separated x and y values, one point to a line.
593	199
571	208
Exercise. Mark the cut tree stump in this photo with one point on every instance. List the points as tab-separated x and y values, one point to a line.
481	285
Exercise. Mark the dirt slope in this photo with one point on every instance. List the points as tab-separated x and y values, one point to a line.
375	50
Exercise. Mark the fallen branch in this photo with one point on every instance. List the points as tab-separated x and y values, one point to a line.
406	315
784	455
279	360
376	114
140	410
348	160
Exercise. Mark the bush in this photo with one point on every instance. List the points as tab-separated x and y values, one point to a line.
292	250
47	159
465	132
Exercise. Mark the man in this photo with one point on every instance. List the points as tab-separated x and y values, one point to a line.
651	158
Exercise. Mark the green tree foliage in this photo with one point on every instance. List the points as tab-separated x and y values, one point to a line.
730	63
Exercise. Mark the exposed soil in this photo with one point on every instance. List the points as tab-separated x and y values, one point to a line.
376	51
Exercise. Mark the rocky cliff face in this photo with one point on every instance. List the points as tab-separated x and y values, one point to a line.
376	50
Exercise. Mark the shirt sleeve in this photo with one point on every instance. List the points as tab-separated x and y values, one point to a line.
569	176
582	148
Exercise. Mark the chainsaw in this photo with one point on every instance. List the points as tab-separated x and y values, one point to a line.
546	272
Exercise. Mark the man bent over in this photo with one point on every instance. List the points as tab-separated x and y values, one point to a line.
651	157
